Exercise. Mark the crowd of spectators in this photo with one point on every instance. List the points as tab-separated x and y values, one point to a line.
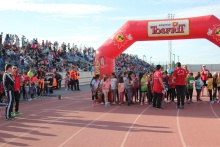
131	63
56	57
52	56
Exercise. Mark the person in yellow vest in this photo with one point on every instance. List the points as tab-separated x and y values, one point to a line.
76	78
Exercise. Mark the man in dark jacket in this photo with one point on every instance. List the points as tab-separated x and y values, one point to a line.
59	79
8	82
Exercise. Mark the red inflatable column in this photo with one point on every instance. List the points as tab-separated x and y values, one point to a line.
103	65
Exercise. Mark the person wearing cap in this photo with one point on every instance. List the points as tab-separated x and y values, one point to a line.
204	76
179	77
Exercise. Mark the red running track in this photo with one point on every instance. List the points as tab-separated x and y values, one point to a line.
73	122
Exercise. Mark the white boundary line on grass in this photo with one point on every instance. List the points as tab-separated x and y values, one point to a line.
75	134
129	130
179	129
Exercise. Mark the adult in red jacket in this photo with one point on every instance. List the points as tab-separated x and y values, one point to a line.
158	87
204	76
16	89
179	76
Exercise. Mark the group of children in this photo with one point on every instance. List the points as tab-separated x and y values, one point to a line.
127	87
35	87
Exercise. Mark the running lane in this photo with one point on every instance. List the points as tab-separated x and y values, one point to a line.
199	126
156	128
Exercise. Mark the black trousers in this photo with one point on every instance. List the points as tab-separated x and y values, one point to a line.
210	95
17	99
9	104
180	89
72	83
190	93
157	100
172	94
215	92
198	91
58	84
77	84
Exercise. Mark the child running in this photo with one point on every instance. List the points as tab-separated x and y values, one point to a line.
105	90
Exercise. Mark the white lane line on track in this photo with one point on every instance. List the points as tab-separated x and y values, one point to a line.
71	137
37	113
129	130
213	111
35	128
179	129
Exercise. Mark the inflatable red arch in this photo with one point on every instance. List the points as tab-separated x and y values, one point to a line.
185	28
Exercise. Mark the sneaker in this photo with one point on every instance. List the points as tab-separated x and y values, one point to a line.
200	100
177	107
191	101
30	99
12	114
212	102
66	89
106	104
102	103
182	107
10	118
18	113
141	104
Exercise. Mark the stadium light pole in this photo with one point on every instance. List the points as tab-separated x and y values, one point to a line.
174	58
178	58
150	59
